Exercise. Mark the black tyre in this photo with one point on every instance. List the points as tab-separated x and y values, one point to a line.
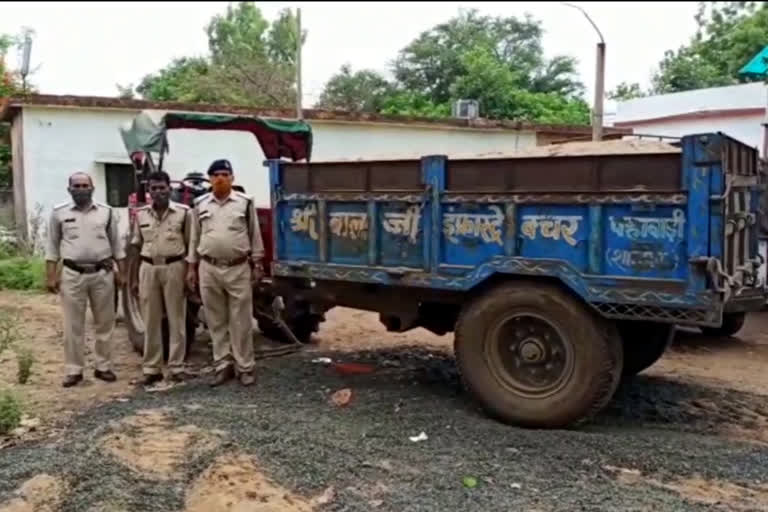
732	323
644	344
535	357
134	322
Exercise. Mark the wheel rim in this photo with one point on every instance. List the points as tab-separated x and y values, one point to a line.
529	355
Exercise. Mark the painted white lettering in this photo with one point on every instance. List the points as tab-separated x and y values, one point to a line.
403	223
305	220
552	226
633	260
474	225
352	225
658	228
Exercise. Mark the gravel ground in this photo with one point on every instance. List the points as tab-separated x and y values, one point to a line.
692	434
363	450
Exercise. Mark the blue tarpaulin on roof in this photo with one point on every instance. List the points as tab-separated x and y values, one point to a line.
758	66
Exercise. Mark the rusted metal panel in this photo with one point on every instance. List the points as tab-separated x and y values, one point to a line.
589	173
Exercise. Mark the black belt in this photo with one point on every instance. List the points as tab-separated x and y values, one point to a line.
162	261
89	268
224	263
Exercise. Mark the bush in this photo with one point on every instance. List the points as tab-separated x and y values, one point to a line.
25	360
9	330
20	273
10	412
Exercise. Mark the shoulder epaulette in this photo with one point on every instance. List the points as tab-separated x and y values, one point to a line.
202	197
62	205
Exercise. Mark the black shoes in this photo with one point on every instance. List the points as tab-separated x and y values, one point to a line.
247	379
152	378
179	377
223	376
106	376
71	380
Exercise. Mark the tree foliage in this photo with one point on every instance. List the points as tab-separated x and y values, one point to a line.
728	35
10	85
626	91
251	61
496	60
438	57
361	91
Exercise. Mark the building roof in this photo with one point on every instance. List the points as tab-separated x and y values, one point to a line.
739	99
9	107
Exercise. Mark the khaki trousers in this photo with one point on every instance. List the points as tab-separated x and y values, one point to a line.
228	304
161	288
75	291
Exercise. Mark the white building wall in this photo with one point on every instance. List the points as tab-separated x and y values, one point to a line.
732	97
60	141
745	128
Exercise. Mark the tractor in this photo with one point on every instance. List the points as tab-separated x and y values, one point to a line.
288	323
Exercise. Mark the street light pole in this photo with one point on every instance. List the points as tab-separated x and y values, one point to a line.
597	116
597	109
299	110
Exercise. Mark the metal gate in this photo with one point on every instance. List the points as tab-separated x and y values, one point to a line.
741	209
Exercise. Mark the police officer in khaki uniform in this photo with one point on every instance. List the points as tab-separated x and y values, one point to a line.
161	233
226	253
83	235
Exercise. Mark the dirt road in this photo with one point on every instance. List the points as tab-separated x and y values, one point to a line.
691	433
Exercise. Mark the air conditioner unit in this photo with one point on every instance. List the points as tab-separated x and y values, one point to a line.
466	109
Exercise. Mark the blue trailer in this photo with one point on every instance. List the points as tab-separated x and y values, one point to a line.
559	271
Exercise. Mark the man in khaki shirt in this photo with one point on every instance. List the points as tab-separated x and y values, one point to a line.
161	233
83	235
226	251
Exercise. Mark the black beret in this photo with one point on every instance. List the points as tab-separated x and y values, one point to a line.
220	165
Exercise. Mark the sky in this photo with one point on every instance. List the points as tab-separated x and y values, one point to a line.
87	48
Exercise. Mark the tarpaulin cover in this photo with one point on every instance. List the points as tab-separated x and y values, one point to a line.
277	138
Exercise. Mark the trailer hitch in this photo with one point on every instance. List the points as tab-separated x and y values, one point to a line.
275	316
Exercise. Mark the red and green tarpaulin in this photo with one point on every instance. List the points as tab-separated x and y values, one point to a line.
277	138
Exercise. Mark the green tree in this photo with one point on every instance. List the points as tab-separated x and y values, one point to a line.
361	91
497	89
182	80
416	104
10	85
436	59
251	62
497	61
728	35
626	91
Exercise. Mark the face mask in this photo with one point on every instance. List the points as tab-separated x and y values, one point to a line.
160	198
81	197
221	185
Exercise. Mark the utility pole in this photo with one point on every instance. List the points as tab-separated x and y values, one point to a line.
597	109
26	51
597	114
299	110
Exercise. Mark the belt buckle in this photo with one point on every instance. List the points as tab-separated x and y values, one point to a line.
158	260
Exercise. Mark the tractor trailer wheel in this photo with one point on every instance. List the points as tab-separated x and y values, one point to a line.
644	344
732	323
535	357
